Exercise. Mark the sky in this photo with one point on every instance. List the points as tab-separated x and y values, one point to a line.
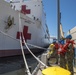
68	15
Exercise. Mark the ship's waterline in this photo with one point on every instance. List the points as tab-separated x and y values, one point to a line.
5	53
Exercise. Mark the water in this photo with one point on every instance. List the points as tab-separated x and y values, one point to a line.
15	65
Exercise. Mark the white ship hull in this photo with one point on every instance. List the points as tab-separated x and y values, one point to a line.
34	31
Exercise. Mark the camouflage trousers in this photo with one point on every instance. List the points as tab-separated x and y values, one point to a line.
62	61
54	55
69	61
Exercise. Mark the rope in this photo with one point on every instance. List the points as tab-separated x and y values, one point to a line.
36	69
38	47
8	35
27	68
29	49
33	54
27	43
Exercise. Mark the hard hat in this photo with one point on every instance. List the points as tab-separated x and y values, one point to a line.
52	45
54	41
61	42
68	37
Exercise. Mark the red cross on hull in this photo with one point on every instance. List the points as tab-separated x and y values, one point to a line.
24	10
27	35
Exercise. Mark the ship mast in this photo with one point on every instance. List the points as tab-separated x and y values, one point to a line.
58	18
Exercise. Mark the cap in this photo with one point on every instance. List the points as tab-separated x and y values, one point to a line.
61	42
54	41
68	37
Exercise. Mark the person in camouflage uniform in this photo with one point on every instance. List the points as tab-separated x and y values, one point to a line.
53	52
61	53
70	54
56	51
